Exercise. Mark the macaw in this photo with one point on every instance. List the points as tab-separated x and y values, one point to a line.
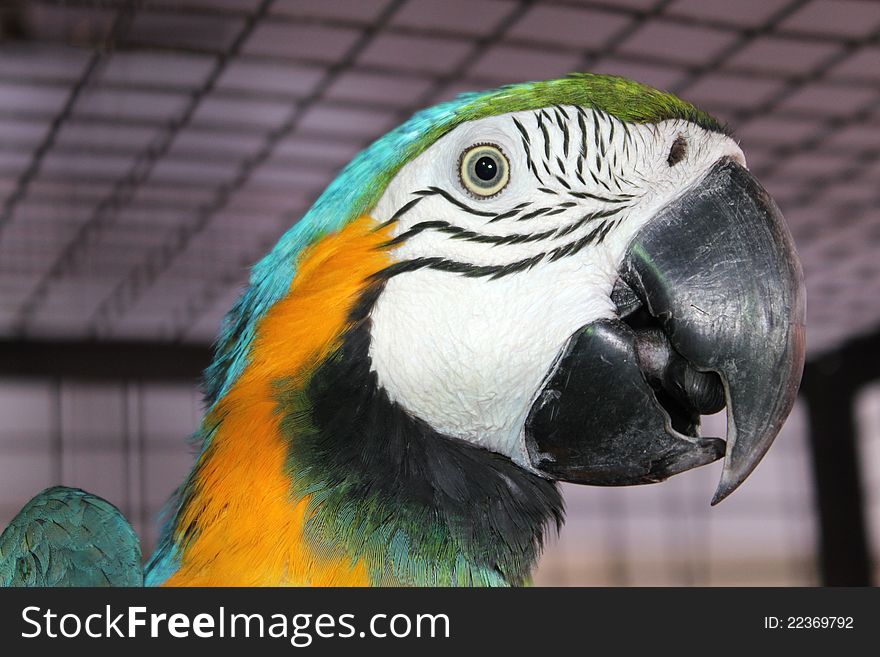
546	282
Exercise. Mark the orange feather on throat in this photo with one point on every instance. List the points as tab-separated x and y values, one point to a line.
241	483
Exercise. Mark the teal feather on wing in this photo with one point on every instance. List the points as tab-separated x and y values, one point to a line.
67	537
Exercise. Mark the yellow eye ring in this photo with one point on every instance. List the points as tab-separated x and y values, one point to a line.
484	170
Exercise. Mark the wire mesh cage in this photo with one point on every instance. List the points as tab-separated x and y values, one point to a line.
150	152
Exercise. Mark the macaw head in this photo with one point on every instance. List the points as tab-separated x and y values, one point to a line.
547	282
581	270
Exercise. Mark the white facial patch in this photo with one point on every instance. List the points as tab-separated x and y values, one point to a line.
464	338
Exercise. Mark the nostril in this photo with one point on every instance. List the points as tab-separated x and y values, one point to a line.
677	151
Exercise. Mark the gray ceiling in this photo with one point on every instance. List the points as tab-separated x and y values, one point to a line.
150	152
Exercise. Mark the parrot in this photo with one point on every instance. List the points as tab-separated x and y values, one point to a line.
546	282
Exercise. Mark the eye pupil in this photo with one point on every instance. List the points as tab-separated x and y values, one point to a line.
486	168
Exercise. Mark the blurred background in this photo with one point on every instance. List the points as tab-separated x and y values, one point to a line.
150	152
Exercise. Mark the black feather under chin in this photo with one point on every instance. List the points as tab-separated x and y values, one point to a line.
494	512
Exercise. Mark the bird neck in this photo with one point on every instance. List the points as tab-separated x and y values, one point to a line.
309	474
329	482
388	492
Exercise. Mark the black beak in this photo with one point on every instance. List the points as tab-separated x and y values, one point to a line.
711	306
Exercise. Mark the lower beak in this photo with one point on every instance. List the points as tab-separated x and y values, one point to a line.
711	306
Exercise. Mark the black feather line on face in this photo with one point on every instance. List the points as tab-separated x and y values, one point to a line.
582	118
596	131
449	197
403	267
400	212
510	213
573	247
622	198
603	145
458	233
497	271
544	134
534	170
563	125
605	230
611	122
412	232
464	234
499	240
526	141
533	214
522	131
561	165
627	136
587	218
558	115
601	182
504	215
530	164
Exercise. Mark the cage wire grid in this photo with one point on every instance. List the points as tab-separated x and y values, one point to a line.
151	151
224	151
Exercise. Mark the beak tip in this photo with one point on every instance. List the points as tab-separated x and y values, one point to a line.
724	489
730	481
720	494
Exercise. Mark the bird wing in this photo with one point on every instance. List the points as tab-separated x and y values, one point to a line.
68	537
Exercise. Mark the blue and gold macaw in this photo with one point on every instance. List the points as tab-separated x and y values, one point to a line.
546	282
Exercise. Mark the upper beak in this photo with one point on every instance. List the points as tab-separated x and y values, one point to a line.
711	306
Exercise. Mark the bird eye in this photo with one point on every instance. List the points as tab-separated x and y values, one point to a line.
484	170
